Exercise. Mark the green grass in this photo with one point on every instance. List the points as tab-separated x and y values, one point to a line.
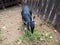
36	37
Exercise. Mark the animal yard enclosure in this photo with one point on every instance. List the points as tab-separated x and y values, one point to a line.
47	22
49	10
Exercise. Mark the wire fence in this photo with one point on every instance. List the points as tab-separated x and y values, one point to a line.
49	10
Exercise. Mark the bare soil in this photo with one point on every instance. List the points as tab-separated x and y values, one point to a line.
11	27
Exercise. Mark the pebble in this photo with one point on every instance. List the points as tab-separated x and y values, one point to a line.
4	27
18	28
25	28
35	23
19	42
51	37
56	40
55	31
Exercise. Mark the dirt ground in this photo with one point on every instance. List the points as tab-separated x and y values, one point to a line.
11	26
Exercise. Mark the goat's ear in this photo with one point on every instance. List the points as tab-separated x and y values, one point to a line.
33	17
31	12
21	12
